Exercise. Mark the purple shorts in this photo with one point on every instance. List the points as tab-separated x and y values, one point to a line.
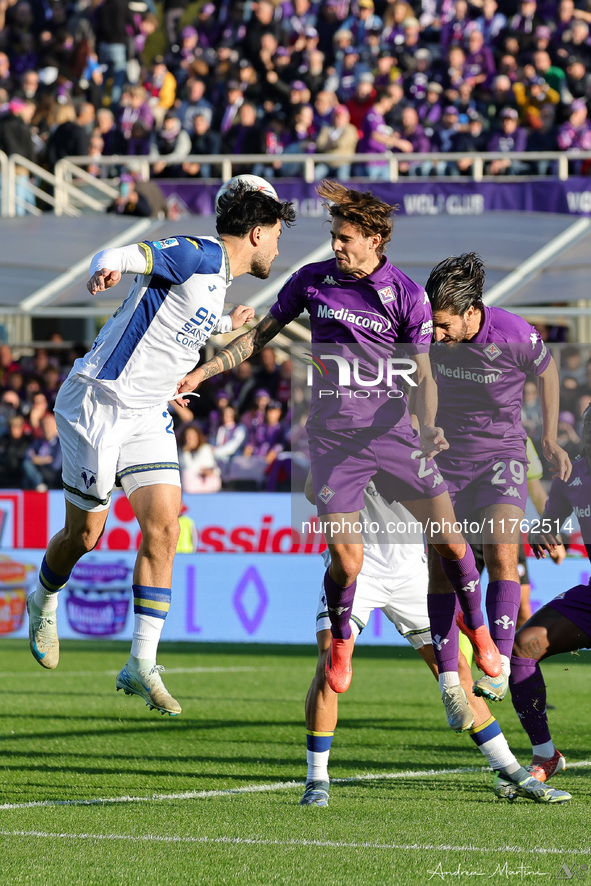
575	605
343	463
492	481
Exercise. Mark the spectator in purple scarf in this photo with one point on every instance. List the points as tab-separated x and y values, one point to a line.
510	137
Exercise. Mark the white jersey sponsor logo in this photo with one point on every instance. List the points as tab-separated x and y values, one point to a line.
330	280
362	319
576	482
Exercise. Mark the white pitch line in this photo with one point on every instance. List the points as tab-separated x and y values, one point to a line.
257	788
321	844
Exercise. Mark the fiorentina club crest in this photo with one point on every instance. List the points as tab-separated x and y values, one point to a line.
386	294
325	494
492	352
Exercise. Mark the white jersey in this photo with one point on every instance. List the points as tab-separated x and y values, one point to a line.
394	576
153	339
394	539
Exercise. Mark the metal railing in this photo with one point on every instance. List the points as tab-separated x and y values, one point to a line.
67	197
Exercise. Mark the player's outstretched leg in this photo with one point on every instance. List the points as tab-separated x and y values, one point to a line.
442	609
502	605
528	694
321	720
463	576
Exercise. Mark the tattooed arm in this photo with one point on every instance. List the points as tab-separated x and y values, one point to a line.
236	352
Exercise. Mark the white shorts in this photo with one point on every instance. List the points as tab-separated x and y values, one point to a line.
104	443
402	597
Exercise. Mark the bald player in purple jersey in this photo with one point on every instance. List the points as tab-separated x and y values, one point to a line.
563	624
481	358
361	309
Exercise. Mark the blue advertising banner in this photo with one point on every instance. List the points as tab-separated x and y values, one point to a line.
240	598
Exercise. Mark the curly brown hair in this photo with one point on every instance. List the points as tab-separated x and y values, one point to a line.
360	208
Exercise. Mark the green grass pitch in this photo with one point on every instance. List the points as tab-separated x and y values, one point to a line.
97	789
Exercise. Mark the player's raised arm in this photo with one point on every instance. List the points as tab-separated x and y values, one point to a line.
549	391
108	265
236	352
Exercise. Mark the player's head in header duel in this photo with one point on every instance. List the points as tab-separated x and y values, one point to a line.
250	222
455	289
361	227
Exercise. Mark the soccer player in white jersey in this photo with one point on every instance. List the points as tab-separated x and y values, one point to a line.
113	420
394	578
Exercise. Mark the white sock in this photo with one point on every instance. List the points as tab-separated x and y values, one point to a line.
146	636
317	765
545	750
499	754
45	600
505	665
448	678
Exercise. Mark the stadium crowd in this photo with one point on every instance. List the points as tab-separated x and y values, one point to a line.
244	432
275	77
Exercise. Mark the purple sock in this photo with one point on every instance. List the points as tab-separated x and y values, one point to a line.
502	605
339	602
528	694
445	633
465	580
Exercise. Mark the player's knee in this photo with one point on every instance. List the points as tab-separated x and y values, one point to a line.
452	550
80	542
161	538
346	565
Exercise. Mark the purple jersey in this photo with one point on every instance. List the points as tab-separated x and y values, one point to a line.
359	321
480	387
572	495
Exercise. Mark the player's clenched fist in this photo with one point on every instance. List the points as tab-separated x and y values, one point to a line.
103	279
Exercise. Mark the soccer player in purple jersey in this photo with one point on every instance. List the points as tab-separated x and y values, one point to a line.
359	303
480	359
563	624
